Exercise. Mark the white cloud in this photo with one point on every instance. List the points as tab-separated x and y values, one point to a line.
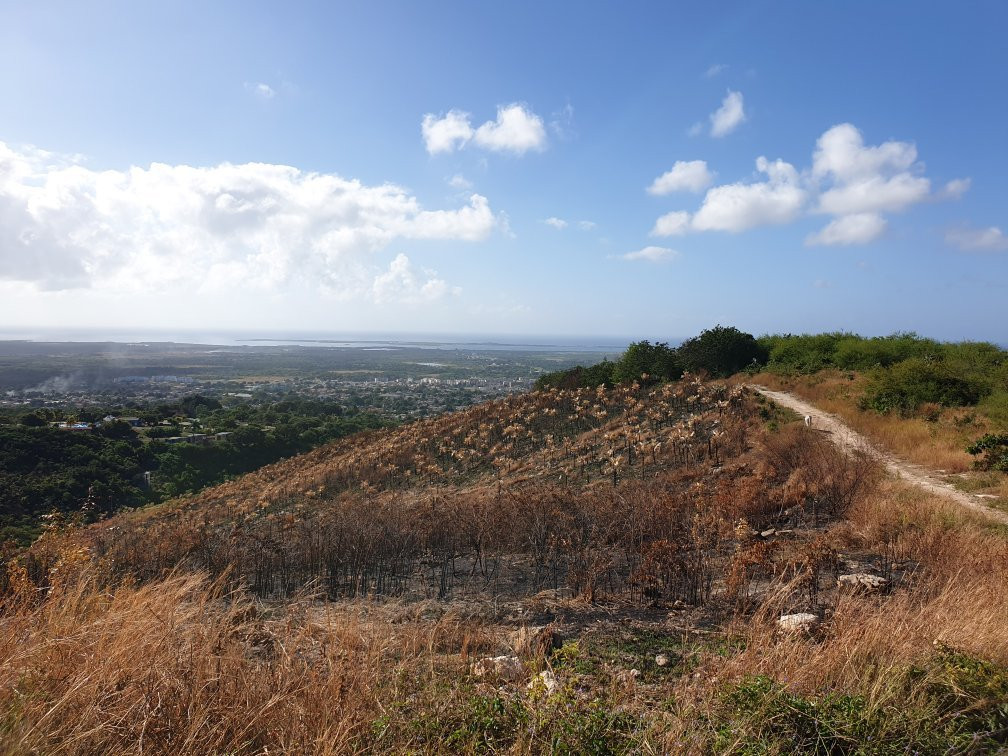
177	227
737	207
446	133
652	254
691	176
875	194
471	223
557	223
956	188
696	129
261	90
729	116
992	239
840	151
866	179
400	283
672	224
859	228
849	180
714	70
458	181
587	225
516	130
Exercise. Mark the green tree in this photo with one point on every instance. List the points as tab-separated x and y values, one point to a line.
722	351
642	358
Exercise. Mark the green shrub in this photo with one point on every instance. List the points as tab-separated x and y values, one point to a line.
995	407
994	448
579	376
801	354
906	385
721	352
659	362
960	706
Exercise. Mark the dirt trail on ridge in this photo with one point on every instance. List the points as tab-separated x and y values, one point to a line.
848	439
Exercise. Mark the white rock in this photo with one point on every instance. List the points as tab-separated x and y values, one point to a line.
507	668
546	680
863	582
627	676
662	660
801	622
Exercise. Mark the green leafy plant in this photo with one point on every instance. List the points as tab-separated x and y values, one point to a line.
994	450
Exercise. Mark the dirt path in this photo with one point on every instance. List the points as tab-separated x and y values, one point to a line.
846	438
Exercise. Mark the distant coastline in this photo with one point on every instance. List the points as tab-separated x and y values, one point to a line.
349	340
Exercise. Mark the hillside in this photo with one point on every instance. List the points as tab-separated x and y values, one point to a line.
578	570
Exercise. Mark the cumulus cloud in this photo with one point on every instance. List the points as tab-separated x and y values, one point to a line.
458	181
672	224
840	151
859	228
516	129
737	207
875	194
400	283
983	239
854	182
586	225
557	223
690	176
866	179
652	254
168	227
715	69
445	133
729	116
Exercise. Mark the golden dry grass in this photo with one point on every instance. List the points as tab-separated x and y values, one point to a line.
185	663
957	596
180	666
937	440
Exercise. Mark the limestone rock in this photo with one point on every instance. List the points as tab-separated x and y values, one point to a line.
862	582
627	676
802	622
507	668
545	680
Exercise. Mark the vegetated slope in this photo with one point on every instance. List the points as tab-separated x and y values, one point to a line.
567	571
509	478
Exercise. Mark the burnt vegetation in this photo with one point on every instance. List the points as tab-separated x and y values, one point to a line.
575	570
643	494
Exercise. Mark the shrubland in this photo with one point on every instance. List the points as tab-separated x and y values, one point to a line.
627	552
45	469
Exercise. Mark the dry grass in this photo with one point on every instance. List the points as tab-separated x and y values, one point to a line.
180	666
935	440
186	663
956	597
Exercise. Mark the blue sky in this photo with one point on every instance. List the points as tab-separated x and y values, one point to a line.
631	169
